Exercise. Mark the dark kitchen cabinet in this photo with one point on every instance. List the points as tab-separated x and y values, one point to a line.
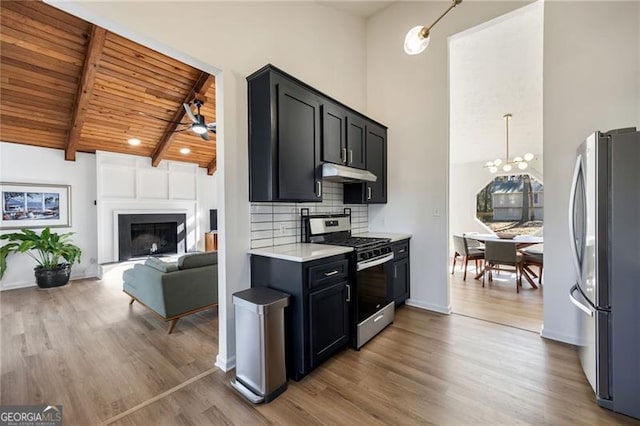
328	321
343	136
334	133
356	142
317	319
376	160
399	273
284	139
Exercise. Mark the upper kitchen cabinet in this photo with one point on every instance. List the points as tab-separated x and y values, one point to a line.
376	161
343	136
284	139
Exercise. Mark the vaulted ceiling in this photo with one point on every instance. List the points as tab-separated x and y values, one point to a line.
70	85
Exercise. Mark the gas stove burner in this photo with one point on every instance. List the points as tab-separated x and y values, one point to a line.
359	243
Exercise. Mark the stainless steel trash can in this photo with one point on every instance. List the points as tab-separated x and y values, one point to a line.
261	374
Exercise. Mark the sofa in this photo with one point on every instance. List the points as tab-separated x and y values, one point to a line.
174	289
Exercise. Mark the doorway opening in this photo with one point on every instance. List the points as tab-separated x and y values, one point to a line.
495	69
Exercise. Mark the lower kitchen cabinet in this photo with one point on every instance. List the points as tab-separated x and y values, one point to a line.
399	273
317	319
328	321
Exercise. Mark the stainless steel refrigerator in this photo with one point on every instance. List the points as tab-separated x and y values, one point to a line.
604	223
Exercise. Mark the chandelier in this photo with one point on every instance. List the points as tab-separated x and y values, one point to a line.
507	165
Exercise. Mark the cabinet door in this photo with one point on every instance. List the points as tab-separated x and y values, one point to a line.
334	143
356	137
400	280
377	163
299	171
328	321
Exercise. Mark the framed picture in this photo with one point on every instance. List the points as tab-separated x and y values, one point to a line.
32	205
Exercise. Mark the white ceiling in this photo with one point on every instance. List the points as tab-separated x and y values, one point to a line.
496	68
361	8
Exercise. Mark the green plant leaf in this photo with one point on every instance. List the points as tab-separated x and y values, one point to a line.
45	248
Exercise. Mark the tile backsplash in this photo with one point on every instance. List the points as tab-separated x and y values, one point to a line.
275	224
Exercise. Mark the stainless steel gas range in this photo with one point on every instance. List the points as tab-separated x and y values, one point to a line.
371	309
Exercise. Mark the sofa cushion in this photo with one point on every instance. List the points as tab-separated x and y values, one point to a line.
197	260
161	266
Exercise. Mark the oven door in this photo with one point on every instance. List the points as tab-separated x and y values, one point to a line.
374	309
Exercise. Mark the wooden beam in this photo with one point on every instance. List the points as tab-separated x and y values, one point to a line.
85	89
199	88
212	167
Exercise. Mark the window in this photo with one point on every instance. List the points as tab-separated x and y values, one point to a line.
513	203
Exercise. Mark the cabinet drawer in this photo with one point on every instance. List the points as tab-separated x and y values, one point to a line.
329	272
401	249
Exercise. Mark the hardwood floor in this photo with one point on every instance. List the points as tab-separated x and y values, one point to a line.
82	347
425	368
498	301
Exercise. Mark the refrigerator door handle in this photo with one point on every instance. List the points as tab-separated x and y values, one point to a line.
572	234
584	308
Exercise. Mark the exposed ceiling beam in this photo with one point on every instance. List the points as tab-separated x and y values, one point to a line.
85	89
212	167
200	87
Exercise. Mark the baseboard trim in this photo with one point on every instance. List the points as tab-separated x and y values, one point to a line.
16	286
26	284
225	364
429	306
559	336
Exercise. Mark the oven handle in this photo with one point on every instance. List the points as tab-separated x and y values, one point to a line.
375	262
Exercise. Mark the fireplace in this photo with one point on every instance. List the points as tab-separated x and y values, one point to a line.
156	234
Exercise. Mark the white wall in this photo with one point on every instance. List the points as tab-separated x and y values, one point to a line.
187	188
129	184
591	82
29	164
320	45
410	95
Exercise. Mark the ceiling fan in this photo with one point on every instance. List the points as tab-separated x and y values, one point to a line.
199	124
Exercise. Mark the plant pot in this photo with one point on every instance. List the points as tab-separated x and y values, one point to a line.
47	278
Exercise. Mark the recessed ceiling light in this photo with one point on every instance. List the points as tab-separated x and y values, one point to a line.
134	141
184	151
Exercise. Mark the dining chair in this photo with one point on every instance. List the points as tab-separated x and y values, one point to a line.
502	253
467	253
533	256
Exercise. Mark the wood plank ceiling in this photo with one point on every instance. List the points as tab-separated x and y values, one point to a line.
68	84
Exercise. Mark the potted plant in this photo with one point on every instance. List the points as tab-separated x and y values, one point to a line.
48	249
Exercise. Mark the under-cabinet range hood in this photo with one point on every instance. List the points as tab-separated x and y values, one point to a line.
338	173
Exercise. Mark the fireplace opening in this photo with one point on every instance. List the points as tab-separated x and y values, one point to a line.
141	235
150	239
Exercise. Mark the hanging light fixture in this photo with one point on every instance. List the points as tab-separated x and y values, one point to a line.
507	165
417	39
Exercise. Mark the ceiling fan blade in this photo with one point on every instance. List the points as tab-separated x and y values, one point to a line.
205	136
212	127
187	109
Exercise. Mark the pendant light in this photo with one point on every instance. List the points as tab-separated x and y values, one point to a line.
520	163
417	39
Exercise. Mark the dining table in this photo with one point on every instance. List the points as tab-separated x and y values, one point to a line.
521	242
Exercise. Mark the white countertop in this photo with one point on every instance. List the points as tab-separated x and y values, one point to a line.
301	252
394	237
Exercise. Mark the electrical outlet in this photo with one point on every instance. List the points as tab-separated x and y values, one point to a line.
281	230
